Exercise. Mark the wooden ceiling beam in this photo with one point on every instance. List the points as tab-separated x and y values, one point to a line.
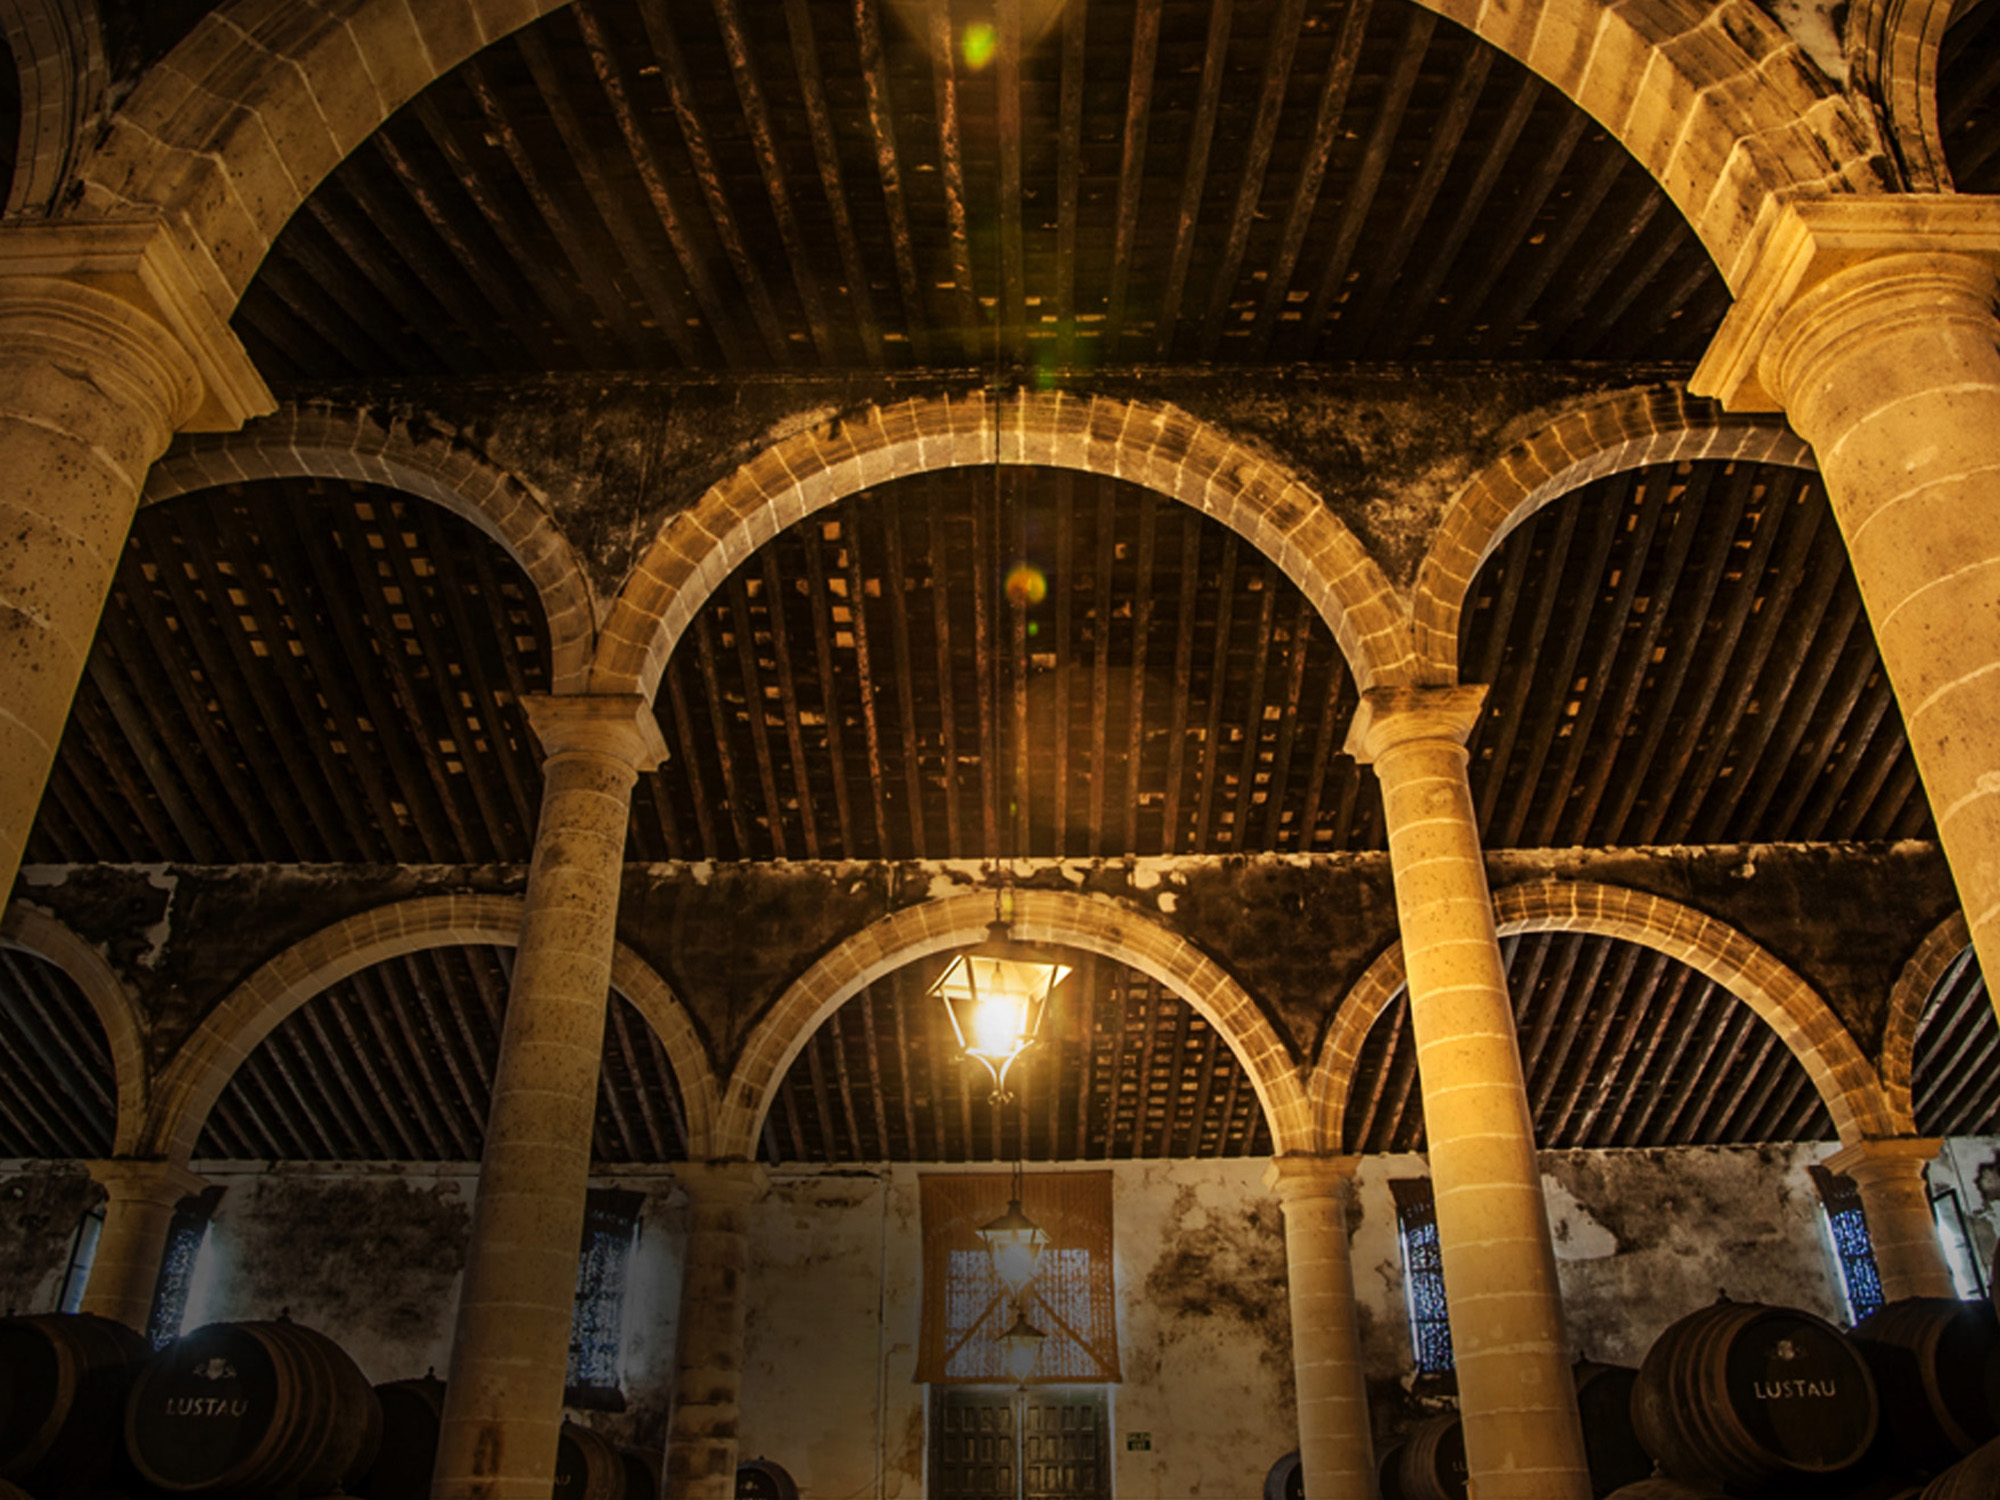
889	169
826	157
722	718
951	177
857	577
1210	773
1069	175
1194	180
757	116
738	594
1103	564
670	305
1131	170
1011	326
1280	46
821	596
778	599
1142	635
129	734
655	15
896	585
1418	24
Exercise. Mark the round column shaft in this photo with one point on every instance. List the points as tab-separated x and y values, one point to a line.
1336	1449
138	1215
708	1346
509	1357
108	346
1896	1201
1523	1439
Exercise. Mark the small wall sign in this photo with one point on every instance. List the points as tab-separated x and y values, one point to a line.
1138	1442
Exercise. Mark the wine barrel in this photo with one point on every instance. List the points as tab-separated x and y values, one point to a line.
1974	1478
642	1473
1611	1447
1936	1364
588	1466
411	1413
1285	1479
1661	1488
1431	1465
63	1382
1754	1400
251	1410
760	1479
1388	1473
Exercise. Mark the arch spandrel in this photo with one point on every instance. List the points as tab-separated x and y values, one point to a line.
1914	987
1056	918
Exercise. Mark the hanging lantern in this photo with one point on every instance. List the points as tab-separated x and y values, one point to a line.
996	994
1015	1242
1021	1347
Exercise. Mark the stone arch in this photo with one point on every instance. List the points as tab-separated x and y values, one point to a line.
234	129
208	1059
1717	951
58	48
1608	435
1892	53
1158	446
34	931
330	443
1907	1001
1056	917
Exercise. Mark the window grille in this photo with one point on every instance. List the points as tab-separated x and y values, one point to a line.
1423	1275
82	1256
597	1328
185	1237
964	1308
1853	1250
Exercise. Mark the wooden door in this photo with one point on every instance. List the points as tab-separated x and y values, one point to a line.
1064	1446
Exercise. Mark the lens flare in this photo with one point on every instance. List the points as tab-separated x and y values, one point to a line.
1026	585
980	43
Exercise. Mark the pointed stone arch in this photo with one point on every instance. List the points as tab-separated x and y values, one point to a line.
34	931
1054	917
1610	434
1155	445
336	443
1908	1000
191	1083
1782	1000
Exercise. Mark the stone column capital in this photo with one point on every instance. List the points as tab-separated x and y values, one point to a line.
1298	1179
65	271
1845	261
1394	716
615	726
1885	1158
131	1179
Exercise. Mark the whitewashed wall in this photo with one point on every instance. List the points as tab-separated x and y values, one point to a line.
372	1256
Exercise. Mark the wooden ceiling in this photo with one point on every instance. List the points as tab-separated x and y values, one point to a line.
1968	94
632	184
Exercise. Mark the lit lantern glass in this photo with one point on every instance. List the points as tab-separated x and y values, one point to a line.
996	994
1021	1347
1015	1242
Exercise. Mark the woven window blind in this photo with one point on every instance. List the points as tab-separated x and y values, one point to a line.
1071	1299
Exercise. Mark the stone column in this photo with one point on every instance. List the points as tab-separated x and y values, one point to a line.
510	1350
1870	322
138	1213
1336	1449
1896	1201
107	348
708	1344
1523	1439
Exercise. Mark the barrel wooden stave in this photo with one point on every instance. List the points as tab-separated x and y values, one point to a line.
643	1473
588	1466
1755	1400
251	1410
412	1413
63	1382
1431	1464
1974	1478
1936	1364
1611	1446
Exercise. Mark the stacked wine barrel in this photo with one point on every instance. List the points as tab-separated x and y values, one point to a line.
588	1465
252	1410
63	1383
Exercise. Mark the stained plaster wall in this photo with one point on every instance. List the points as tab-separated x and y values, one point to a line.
372	1255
